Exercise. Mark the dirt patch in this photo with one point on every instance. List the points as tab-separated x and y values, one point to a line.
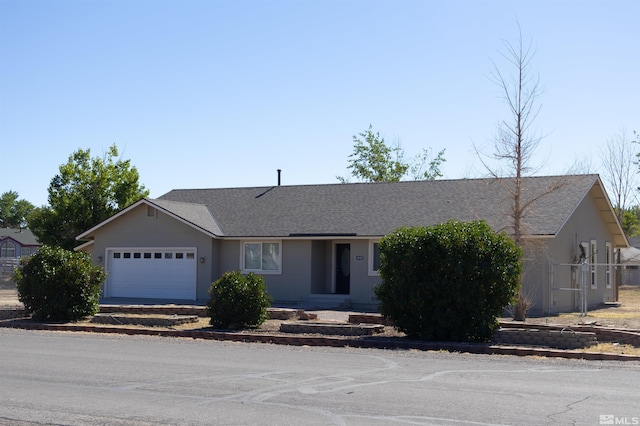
8	293
146	320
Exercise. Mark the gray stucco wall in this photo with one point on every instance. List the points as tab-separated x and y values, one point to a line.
320	269
549	275
361	283
294	284
136	229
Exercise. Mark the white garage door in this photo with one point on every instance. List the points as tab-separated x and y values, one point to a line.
152	273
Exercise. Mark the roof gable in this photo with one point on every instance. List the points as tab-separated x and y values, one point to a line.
194	215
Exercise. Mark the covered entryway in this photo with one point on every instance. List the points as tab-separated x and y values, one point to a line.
151	273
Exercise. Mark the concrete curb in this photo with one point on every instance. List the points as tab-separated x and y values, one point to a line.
473	348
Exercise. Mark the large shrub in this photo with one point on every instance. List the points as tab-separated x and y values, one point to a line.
448	282
59	285
238	301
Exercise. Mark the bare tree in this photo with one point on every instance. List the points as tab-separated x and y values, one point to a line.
516	141
619	175
619	170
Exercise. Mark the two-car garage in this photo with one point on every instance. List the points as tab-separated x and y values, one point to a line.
156	273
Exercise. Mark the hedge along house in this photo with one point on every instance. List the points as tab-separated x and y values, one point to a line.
317	244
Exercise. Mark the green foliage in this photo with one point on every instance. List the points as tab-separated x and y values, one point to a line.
448	282
86	192
373	160
14	212
238	301
631	221
432	171
59	285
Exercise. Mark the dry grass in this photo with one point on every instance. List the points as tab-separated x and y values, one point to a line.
626	315
614	348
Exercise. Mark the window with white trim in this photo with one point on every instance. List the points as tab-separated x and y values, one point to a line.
25	251
374	257
262	257
593	259
607	254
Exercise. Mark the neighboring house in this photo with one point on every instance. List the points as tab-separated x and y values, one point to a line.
630	258
319	243
14	244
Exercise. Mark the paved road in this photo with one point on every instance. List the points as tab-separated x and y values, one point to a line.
82	378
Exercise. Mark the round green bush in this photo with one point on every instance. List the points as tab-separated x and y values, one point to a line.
448	282
59	285
238	301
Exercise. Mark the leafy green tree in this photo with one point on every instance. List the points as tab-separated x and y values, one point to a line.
85	192
447	282
14	212
631	221
59	285
373	160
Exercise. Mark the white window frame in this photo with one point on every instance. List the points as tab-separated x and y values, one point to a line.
261	271
608	275
593	260
372	272
25	251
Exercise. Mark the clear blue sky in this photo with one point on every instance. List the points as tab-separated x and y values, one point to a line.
206	94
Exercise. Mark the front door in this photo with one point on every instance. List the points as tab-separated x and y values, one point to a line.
343	268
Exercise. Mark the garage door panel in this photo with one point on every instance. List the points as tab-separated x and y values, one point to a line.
152	273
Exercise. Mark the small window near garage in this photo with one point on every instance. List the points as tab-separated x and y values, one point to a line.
116	255
191	256
157	255
127	255
179	255
136	255
147	255
168	255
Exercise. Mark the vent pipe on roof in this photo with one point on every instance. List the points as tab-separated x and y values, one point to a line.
279	172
